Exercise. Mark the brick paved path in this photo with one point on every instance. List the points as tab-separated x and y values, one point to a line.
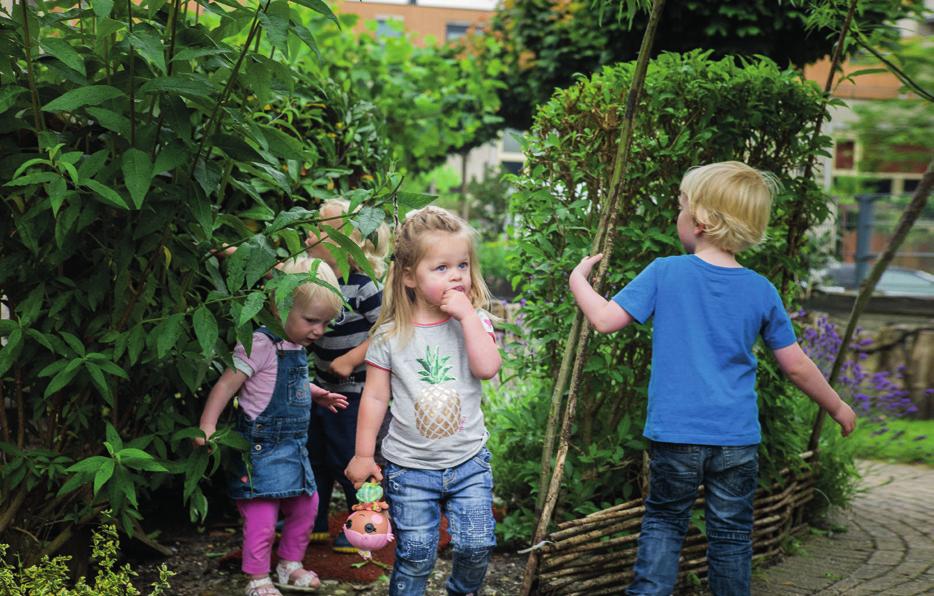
888	548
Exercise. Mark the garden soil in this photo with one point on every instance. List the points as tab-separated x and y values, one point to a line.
208	564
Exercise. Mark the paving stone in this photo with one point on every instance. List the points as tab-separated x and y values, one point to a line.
888	550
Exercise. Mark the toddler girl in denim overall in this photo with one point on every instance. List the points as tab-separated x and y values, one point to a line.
431	347
274	406
338	363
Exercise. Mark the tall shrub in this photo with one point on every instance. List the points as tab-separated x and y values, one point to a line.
695	110
135	139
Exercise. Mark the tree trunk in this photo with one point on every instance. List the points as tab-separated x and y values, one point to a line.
907	220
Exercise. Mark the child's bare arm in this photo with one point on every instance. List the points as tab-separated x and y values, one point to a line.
605	315
802	371
373	404
226	387
344	365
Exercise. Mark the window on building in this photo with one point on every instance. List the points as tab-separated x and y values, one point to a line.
513	167
909	185
454	31
844	155
882	186
511	143
388	26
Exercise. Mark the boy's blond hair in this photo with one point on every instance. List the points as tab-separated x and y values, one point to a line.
314	293
732	201
375	247
410	247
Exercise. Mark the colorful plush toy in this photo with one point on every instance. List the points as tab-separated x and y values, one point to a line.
368	527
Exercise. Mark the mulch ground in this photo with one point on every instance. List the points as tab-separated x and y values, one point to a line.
207	563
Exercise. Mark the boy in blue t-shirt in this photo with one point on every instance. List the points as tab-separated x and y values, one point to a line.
702	421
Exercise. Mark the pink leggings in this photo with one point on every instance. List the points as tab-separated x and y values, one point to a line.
259	530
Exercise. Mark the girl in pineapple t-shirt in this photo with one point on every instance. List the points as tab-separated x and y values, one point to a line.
431	347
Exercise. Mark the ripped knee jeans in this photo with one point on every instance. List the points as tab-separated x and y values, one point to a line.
416	498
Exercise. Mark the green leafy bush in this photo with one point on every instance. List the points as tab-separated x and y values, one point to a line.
132	146
694	110
51	576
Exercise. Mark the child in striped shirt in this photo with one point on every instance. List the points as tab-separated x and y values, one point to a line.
339	367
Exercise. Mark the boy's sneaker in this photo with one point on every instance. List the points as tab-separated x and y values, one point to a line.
342	545
319	537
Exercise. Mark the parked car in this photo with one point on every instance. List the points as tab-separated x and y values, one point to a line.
895	281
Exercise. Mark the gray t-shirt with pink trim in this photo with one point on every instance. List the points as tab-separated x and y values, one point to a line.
437	422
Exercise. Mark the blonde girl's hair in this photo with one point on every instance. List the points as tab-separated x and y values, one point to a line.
375	246
411	244
313	293
732	201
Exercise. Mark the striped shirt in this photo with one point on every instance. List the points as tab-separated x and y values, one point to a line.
348	330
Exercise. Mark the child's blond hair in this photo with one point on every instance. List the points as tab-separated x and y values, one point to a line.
732	201
375	246
313	293
410	248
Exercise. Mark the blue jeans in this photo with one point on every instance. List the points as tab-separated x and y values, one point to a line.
415	500
729	475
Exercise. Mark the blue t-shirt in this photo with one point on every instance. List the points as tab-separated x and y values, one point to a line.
706	320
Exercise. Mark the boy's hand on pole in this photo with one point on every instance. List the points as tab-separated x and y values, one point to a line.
845	417
586	265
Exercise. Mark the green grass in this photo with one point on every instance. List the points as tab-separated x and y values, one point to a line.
901	440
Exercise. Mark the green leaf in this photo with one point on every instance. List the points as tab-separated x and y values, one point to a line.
111	120
40	338
194	471
60	380
351	248
193	86
97	377
137	171
34	178
167	334
102	8
368	219
302	32
275	22
109	195
82	96
195	53
286	219
103	475
57	190
320	7
136	341
205	329
8	96
170	157
283	145
62	50
150	47
89	464
113	437
414	200
251	306
73	342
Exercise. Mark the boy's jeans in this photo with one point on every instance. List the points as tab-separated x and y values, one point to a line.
729	475
415	499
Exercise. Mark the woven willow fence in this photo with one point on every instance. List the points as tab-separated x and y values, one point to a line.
594	555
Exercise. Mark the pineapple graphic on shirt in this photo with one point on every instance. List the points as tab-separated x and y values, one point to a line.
437	408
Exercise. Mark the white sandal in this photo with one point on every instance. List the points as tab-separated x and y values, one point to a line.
305	582
261	587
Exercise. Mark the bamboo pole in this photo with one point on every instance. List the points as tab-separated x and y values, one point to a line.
905	223
606	230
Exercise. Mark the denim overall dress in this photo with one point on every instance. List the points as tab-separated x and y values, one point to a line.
278	436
